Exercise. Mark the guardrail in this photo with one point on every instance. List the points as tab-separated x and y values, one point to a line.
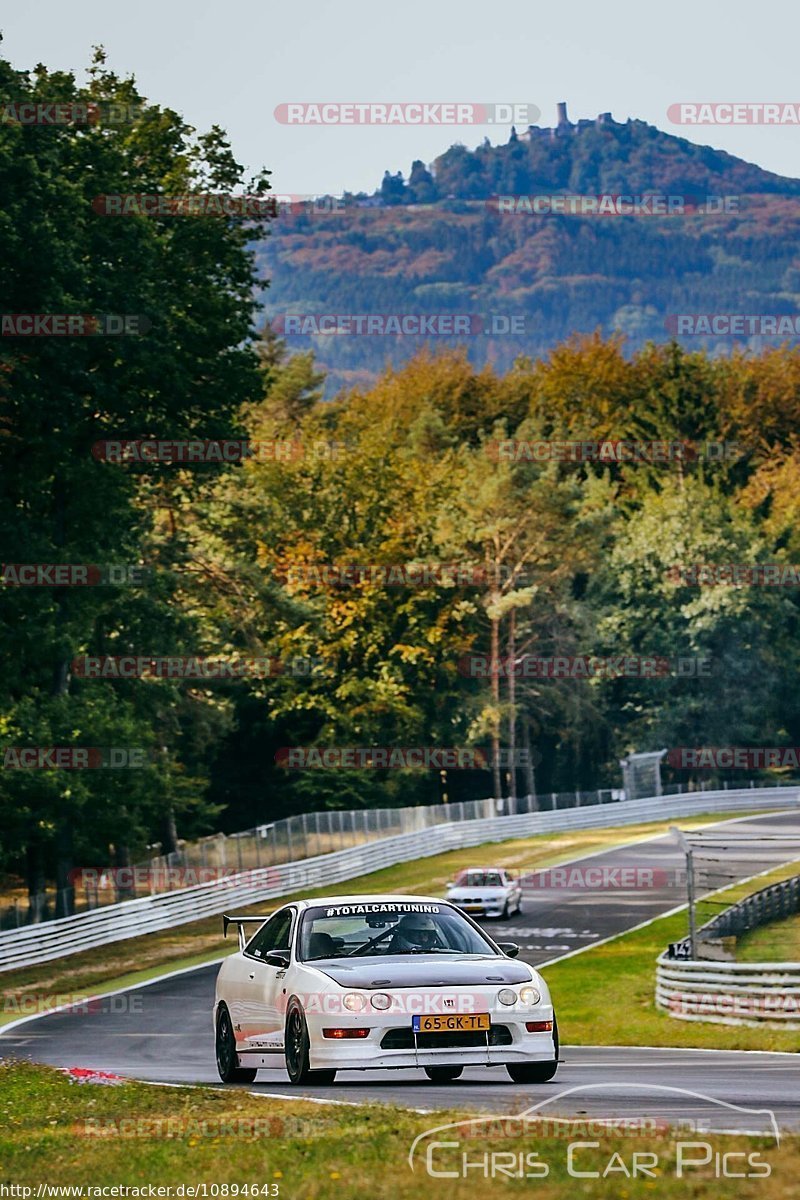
724	993
289	839
769	904
733	993
87	930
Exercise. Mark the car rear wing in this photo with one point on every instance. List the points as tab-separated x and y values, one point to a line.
240	922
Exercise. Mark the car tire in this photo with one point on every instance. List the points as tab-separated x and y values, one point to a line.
443	1074
537	1072
227	1058
504	914
296	1045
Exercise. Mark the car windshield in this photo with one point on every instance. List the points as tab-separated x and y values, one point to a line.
479	879
382	928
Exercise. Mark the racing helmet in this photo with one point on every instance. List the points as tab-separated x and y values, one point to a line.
418	930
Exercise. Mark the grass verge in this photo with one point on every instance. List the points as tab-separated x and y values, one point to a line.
60	1133
605	996
777	942
136	960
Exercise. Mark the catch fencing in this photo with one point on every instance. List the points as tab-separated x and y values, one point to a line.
131	918
289	839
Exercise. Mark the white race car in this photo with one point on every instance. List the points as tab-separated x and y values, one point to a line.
358	983
486	891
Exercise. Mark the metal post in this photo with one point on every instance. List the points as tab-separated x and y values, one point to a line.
305	836
687	849
690	897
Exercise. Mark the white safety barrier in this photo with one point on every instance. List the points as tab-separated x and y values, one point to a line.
116	922
730	993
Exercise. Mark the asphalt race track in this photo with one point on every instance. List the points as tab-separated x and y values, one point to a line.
162	1032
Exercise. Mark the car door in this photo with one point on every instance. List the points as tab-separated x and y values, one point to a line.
262	1011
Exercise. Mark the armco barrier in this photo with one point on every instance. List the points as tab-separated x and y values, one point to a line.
768	904
287	839
70	935
730	993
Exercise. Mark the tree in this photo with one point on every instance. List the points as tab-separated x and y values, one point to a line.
191	277
744	634
421	184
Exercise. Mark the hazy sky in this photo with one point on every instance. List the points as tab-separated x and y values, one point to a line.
231	64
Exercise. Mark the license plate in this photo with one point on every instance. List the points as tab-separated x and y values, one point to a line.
450	1022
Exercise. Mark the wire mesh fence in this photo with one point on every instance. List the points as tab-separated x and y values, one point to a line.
721	855
289	839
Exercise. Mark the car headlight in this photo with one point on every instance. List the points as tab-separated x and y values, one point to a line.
354	1003
530	995
507	996
381	1001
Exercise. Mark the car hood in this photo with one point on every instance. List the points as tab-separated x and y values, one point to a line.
412	970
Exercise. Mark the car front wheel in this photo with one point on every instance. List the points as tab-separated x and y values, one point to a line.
541	1072
227	1058
537	1072
296	1050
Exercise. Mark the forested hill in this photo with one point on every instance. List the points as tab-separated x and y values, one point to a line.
592	156
433	241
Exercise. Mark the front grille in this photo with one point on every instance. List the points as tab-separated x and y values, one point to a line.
403	1039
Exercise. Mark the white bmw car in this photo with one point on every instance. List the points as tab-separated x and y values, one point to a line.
358	983
486	891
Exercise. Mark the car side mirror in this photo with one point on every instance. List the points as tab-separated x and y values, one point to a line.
277	958
510	949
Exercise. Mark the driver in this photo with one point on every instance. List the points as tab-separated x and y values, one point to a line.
414	932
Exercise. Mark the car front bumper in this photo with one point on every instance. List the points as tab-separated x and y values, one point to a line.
367	1053
481	906
480	910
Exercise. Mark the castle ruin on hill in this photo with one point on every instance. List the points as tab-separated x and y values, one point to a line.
565	127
